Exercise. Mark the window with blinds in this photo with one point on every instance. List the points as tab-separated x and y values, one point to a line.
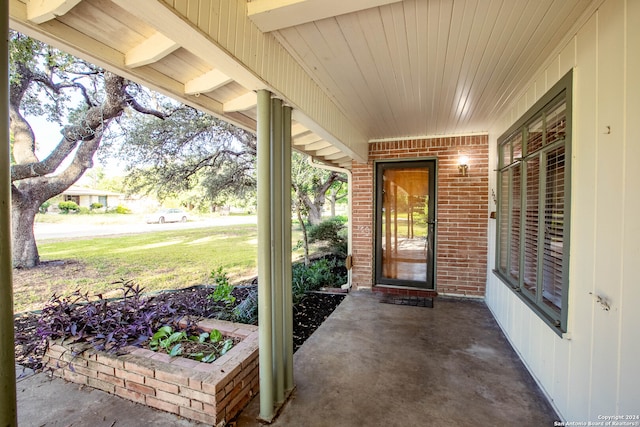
533	182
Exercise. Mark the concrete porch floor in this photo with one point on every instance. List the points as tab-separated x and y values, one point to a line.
369	364
373	364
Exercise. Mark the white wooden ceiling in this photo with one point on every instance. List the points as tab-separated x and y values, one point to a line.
394	68
430	67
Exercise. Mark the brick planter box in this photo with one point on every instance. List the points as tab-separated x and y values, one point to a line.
212	393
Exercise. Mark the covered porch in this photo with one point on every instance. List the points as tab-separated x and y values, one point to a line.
369	364
357	83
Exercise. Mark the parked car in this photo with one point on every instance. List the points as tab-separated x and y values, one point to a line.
167	215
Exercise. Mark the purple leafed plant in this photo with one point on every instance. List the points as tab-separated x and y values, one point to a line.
106	325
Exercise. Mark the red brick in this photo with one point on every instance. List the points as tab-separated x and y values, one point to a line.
140	388
162	405
131	395
110	360
134	367
90	373
198	416
99	367
71	376
161	385
178	378
197	395
111	379
129	376
197	405
173	398
101	385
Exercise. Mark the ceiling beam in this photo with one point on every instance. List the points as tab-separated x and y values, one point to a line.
242	103
335	157
271	15
164	20
151	50
207	82
327	151
307	139
298	129
318	145
302	118
39	11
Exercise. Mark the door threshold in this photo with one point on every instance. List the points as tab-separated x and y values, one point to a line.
405	290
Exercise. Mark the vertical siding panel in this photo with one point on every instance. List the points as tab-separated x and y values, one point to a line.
204	15
522	106
223	23
193	9
584	169
553	72
561	377
520	324
214	19
255	56
630	315
181	6
547	356
568	57
238	30
541	85
248	44
531	96
234	25
609	184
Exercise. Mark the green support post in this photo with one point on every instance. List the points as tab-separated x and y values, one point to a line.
276	248
286	250
265	340
8	407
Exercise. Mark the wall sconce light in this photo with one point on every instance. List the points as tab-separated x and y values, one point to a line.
463	165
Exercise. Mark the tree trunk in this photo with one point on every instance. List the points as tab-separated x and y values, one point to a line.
305	238
332	202
314	213
23	213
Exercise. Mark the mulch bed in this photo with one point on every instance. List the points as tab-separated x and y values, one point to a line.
308	315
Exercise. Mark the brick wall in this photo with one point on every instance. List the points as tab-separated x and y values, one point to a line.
462	210
211	393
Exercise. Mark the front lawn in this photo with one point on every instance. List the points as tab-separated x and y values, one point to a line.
156	261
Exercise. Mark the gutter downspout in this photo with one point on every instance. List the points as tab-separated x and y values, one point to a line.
349	202
8	405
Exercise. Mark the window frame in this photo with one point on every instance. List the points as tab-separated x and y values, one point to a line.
563	89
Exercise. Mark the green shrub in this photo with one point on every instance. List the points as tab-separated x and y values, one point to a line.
95	205
333	233
223	287
66	207
122	210
83	210
247	310
324	272
44	207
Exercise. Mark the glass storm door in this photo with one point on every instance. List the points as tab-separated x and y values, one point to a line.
405	223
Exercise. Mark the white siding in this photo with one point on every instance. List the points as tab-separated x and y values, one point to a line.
227	24
593	371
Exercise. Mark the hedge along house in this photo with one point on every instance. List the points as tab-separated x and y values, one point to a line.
489	144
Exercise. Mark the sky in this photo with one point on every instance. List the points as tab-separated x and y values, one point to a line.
48	136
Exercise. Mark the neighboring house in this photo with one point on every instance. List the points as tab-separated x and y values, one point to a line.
85	196
491	148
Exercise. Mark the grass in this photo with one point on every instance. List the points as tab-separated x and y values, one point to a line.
96	218
156	261
159	260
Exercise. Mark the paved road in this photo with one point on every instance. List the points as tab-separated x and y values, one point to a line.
44	231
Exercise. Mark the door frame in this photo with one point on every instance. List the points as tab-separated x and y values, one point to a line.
379	166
